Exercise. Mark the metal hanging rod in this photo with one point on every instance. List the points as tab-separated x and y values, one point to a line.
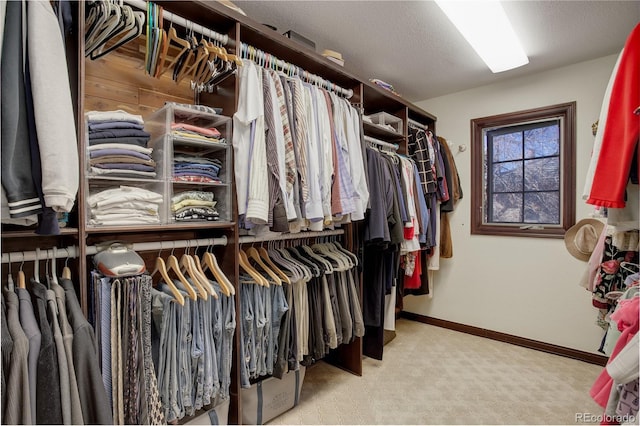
73	251
70	252
298	236
185	23
269	61
384	144
414	123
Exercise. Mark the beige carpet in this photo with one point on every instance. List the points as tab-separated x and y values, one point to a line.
432	375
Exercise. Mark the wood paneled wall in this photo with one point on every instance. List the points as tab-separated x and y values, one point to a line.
118	81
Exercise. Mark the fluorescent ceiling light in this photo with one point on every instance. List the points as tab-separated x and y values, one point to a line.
485	25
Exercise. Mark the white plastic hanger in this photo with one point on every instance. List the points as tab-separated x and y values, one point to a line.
10	284
54	271
36	266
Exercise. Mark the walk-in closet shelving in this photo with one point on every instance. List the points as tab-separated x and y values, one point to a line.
118	81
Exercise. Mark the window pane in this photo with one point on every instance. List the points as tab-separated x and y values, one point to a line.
542	142
507	147
542	207
542	175
507	208
507	177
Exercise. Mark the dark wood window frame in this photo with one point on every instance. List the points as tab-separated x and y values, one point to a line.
567	112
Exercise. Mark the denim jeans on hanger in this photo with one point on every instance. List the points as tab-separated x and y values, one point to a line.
197	354
228	321
260	321
165	339
248	347
183	352
213	342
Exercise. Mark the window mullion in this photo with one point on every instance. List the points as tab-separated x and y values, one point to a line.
523	180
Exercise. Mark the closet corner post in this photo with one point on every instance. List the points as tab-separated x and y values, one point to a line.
230	268
404	114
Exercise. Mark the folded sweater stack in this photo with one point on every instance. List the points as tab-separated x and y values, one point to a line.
189	168
204	134
125	205
118	145
194	206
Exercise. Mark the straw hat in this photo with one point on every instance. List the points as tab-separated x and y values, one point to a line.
581	238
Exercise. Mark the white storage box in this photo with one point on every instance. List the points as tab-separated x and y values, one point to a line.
271	397
218	415
388	121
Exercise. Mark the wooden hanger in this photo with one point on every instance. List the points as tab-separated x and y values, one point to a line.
22	280
161	267
183	66
204	281
172	264
172	36
187	266
209	286
252	253
246	266
66	271
265	256
200	56
211	263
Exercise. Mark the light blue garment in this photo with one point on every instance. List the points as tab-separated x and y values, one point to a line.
259	323
247	336
210	316
197	354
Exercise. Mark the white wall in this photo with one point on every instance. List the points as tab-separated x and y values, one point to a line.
526	287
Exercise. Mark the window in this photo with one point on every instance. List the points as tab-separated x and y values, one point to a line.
523	172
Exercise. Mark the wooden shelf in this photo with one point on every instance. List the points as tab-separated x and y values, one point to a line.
30	233
378	132
159	228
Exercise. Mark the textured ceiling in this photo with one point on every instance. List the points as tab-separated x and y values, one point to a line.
411	44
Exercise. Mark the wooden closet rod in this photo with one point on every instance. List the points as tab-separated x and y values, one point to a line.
74	252
300	235
185	23
267	60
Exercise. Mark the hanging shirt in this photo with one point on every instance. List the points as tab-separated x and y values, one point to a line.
356	162
313	204
286	156
250	114
325	158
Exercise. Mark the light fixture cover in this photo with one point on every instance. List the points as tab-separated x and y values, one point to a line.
485	25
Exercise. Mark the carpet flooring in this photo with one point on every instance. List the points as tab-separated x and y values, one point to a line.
431	375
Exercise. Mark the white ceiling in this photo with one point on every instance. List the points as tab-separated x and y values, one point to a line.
412	45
